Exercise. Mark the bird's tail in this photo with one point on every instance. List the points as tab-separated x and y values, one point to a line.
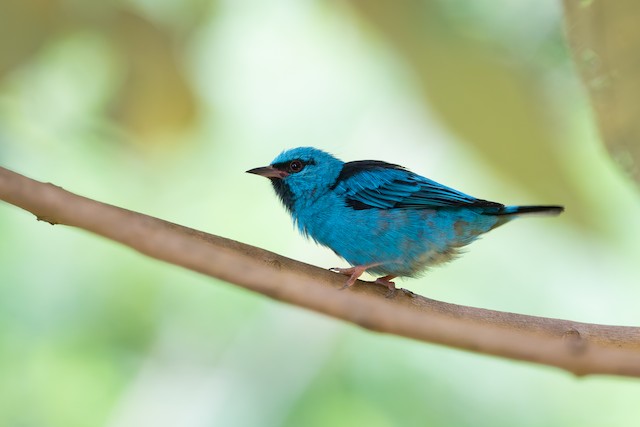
550	210
507	213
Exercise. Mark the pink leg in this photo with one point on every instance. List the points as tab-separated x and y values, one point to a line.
355	272
387	281
352	272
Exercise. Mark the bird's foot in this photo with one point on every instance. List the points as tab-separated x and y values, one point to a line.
352	272
386	281
355	272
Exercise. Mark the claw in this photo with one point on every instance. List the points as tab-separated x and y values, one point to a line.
386	281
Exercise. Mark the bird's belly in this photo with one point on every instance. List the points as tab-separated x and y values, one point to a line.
395	241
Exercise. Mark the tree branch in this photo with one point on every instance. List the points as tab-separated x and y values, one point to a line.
581	348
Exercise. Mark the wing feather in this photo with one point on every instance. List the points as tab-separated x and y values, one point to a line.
379	185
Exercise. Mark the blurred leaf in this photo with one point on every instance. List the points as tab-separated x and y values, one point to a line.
605	39
25	25
155	98
491	101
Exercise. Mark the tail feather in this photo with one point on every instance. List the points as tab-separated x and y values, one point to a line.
550	210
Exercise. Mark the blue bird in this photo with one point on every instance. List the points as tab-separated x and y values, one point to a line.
380	217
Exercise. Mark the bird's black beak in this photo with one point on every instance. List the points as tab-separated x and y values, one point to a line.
268	172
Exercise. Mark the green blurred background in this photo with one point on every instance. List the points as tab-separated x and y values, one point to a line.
160	106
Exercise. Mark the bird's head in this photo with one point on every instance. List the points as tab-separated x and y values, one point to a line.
301	174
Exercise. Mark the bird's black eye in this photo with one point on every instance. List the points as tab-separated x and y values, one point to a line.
296	166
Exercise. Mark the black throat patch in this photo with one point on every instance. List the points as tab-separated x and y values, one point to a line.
284	193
